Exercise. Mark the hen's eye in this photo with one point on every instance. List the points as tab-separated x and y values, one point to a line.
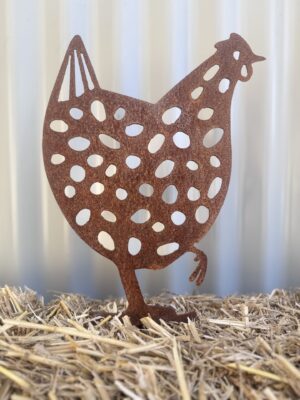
236	55
244	71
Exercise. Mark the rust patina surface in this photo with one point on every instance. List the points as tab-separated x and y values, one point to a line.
139	182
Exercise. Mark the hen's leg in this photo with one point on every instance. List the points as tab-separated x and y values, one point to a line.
137	308
136	302
199	274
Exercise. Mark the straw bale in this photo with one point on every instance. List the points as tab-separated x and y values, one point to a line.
240	347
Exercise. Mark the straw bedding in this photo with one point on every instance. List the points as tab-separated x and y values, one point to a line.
245	347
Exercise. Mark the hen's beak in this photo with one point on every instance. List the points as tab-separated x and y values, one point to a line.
257	58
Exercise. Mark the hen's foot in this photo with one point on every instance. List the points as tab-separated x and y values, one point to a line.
199	274
157	312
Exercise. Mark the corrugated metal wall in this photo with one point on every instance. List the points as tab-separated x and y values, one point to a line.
142	48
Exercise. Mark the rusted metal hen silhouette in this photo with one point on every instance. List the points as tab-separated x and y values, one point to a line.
141	183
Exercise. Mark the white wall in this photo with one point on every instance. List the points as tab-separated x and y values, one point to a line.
142	48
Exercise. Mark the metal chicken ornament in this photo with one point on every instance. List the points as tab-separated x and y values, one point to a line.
139	182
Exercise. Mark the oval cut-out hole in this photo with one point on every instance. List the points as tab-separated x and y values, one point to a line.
111	170
167	249
98	110
106	240
108	216
121	194
97	188
193	194
77	173
83	217
178	218
211	72
70	191
164	169
109	141
214	161
236	55
134	130
158	227
119	114
57	159
202	214
196	93
76	113
146	190
79	143
181	140
156	143
192	165
213	137
214	187
224	85
134	246
133	161
58	125
205	113
170	194
95	160
244	71
141	216
171	115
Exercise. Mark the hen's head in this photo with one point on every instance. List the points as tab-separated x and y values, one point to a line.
242	55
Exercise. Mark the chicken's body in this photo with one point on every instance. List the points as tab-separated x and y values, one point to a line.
111	193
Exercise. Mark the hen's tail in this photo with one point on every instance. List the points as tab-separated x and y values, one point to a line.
199	274
76	75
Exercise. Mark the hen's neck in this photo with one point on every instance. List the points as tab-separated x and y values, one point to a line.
219	87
